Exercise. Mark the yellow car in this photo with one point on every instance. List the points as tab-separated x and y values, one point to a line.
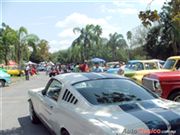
14	71
172	63
136	69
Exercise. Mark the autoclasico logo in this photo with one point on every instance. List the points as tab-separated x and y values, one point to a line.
147	131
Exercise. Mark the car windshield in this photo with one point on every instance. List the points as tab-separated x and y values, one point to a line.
151	65
169	64
111	91
135	66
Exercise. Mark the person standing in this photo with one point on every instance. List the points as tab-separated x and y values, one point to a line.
97	68
27	70
84	67
121	68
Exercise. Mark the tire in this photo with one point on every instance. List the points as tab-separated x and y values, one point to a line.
64	132
33	116
175	96
2	83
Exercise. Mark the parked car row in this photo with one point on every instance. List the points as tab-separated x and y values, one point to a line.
164	80
7	71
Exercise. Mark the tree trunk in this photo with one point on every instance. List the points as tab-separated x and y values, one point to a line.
5	56
19	55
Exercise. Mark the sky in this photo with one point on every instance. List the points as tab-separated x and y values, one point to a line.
54	20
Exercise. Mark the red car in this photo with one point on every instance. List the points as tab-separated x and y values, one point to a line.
165	84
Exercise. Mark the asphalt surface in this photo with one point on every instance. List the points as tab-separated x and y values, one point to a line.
14	112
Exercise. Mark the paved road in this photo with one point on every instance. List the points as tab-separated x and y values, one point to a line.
14	115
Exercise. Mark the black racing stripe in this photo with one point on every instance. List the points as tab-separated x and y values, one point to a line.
170	116
151	120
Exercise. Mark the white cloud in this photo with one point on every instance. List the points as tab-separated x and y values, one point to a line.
126	11
81	20
66	35
58	45
129	2
154	2
123	3
130	7
120	7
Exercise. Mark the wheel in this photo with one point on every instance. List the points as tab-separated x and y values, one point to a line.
175	96
2	83
64	132
33	116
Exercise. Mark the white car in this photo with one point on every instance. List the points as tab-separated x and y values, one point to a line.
102	104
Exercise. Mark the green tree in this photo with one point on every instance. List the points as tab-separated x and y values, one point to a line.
21	44
43	50
169	27
33	41
115	43
8	39
89	36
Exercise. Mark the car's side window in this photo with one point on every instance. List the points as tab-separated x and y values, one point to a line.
54	89
178	65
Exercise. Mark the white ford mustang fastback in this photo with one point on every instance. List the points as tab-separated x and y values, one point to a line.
102	104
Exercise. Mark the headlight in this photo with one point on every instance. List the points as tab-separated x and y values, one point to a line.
157	87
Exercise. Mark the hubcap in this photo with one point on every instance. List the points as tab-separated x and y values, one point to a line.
177	98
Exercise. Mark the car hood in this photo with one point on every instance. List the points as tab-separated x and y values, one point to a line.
139	117
164	76
4	74
143	72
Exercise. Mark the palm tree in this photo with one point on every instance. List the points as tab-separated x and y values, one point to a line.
44	50
129	37
115	42
33	41
88	36
21	36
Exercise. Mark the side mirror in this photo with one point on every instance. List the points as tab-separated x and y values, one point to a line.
43	92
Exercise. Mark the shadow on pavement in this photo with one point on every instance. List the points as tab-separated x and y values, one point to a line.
27	128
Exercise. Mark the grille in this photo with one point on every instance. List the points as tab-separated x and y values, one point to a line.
148	83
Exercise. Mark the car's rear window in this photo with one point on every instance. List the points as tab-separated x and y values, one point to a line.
109	91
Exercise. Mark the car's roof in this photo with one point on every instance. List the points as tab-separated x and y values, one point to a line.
143	61
72	78
174	57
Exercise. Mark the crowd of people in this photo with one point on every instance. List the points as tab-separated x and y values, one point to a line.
56	69
82	67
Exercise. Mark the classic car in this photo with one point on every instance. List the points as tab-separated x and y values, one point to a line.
171	64
136	69
165	84
4	78
4	70
14	71
101	104
112	64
